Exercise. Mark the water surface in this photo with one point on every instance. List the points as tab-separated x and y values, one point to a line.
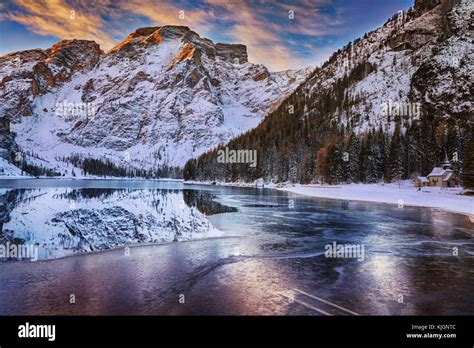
224	250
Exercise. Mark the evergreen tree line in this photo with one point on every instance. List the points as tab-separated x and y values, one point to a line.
99	167
368	158
32	169
37	170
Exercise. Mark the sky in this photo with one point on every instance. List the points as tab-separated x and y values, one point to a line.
281	34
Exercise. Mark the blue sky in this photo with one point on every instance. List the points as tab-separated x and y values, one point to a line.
319	27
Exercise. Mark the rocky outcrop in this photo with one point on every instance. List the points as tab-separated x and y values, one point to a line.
232	53
422	6
28	74
261	75
444	81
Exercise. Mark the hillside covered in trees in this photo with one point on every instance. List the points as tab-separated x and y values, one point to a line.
389	106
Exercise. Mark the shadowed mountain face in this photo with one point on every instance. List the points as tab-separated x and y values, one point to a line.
162	95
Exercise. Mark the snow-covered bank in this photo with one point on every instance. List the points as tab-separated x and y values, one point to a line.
405	195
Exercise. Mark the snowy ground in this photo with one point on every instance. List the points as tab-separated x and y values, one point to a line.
406	195
8	170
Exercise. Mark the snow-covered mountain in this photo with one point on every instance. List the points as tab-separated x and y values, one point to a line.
391	104
424	55
160	97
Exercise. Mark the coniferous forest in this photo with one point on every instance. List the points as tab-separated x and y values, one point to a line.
93	166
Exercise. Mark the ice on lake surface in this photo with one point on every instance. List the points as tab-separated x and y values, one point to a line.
236	251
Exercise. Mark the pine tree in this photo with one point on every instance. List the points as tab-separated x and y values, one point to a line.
353	163
334	170
394	168
455	148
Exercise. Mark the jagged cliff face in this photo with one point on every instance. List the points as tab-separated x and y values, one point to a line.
27	74
422	6
160	97
444	81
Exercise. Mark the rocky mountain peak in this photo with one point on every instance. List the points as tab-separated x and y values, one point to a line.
76	54
191	43
73	44
26	74
146	31
176	31
150	36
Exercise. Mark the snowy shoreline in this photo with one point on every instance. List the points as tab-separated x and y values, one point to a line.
429	197
404	195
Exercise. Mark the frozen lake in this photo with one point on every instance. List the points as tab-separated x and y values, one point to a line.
155	247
